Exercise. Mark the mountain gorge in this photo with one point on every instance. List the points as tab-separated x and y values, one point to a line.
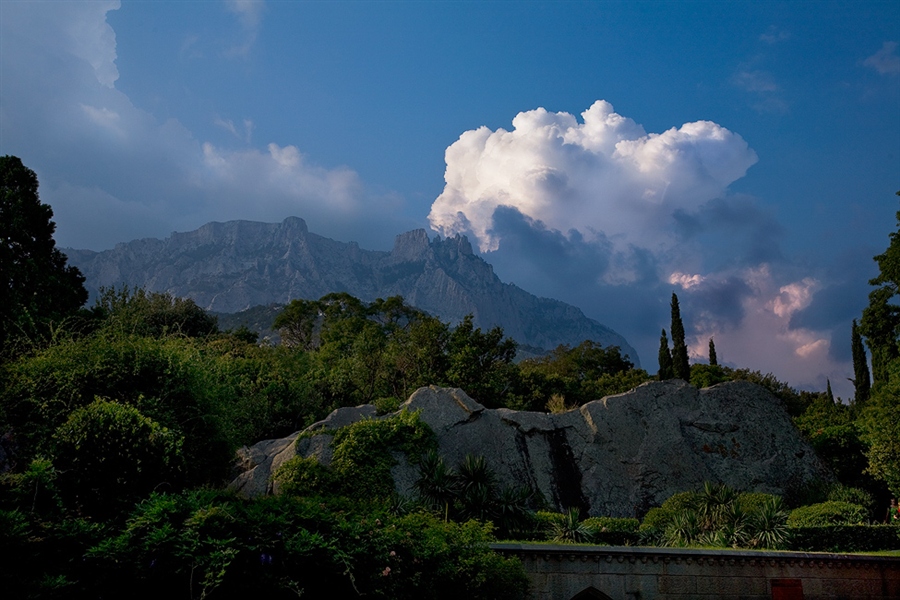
229	267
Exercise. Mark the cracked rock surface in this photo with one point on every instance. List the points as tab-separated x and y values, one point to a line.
616	456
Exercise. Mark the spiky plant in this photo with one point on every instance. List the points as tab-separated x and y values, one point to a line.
437	485
511	510
571	529
683	529
734	525
769	525
713	503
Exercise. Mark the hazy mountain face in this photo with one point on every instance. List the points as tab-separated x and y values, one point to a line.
229	267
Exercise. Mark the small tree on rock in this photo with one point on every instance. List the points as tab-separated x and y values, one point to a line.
665	358
680	365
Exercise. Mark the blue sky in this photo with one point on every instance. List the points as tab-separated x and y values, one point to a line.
742	154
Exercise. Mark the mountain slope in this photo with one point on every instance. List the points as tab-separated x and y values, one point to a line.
228	267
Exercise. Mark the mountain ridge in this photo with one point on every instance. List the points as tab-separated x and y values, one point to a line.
230	266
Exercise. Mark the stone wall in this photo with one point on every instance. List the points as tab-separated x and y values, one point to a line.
568	572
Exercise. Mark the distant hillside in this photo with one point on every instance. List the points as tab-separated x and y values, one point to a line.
229	267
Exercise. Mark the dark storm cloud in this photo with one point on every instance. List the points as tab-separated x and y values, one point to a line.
721	301
751	235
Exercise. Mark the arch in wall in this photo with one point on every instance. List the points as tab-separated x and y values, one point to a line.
590	593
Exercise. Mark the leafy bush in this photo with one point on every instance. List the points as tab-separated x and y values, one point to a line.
363	456
164	379
108	454
362	460
302	476
618	524
282	547
845	538
703	376
153	314
827	513
754	501
614	531
541	524
851	495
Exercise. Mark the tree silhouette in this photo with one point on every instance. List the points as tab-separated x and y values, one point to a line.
665	358
38	286
861	381
680	365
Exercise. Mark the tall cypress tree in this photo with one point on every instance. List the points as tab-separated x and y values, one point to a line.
665	358
861	380
828	393
713	359
680	365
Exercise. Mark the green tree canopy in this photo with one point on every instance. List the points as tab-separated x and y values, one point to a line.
154	314
38	286
881	318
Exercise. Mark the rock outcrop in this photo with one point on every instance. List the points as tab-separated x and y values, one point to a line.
229	267
617	456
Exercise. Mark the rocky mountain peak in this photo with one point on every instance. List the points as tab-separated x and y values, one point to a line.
232	266
411	246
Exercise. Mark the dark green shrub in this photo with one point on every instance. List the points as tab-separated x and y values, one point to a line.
827	513
657	518
108	455
387	405
282	547
708	375
845	538
769	525
164	379
540	525
154	314
302	476
364	452
754	501
620	524
612	531
851	495
511	512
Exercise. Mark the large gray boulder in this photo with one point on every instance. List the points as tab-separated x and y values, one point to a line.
616	456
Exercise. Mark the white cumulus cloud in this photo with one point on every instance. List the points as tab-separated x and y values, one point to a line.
603	174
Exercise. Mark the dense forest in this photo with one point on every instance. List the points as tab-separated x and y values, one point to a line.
120	422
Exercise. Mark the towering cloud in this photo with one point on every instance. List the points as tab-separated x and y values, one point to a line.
600	213
604	174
